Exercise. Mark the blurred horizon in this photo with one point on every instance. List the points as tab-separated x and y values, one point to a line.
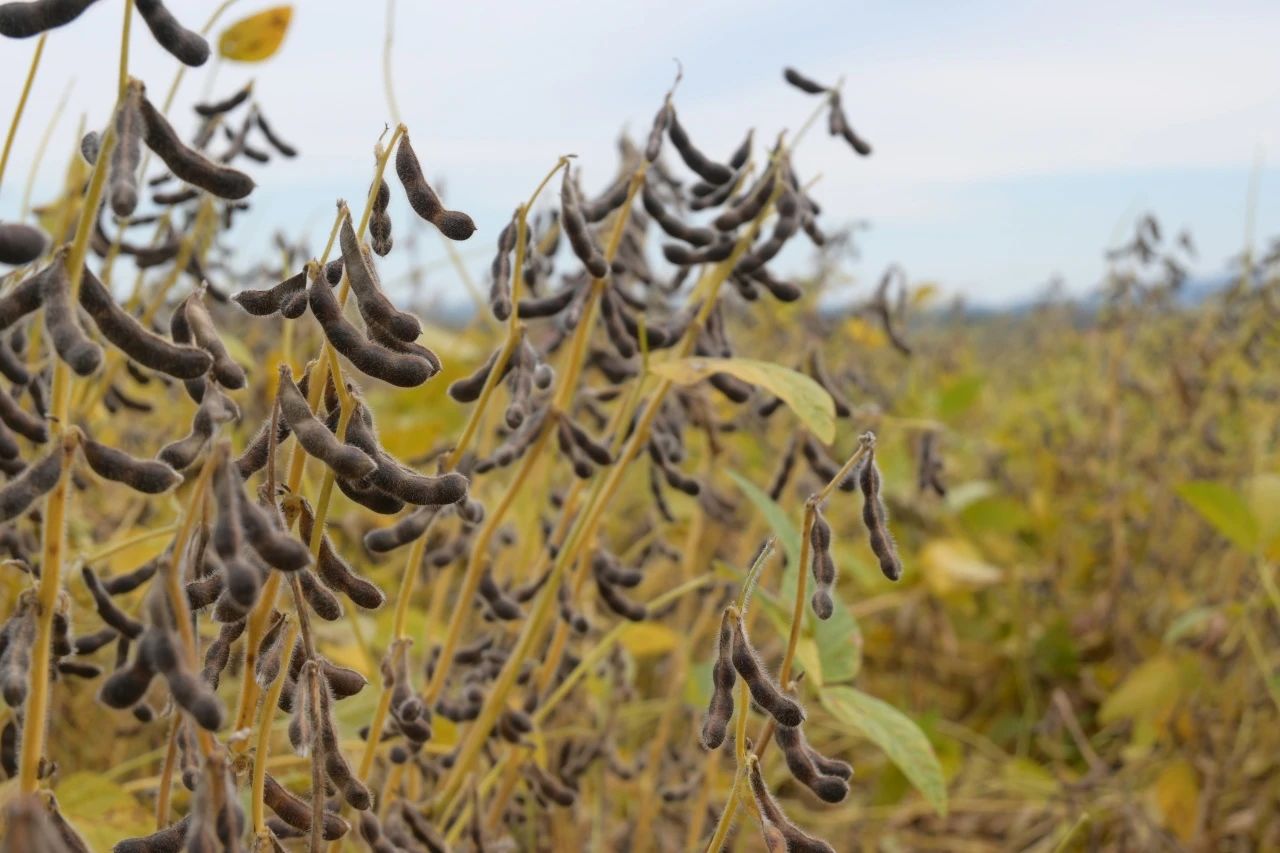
1013	146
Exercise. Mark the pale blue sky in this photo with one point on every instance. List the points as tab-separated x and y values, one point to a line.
1013	140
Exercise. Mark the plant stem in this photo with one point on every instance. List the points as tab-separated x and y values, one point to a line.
22	103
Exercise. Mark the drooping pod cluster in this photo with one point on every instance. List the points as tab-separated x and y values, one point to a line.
393	361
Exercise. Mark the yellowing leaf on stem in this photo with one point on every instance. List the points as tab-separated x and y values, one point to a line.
256	37
809	400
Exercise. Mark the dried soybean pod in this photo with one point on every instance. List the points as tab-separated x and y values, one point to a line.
693	235
325	604
619	603
346	460
21	244
335	571
766	694
35	480
296	811
75	348
227	104
653	145
188	164
171	839
125	687
107	609
723	676
140	344
87	644
803	83
838	125
610	200
549	305
829	766
707	169
453	224
749	207
21	421
468	388
874	517
215	409
28	294
126	157
597	452
142	475
783	476
275	546
796	840
403	370
822	565
276	142
187	47
11	364
549	786
830	789
374	305
23	20
579	234
225	369
403	532
500	604
263	303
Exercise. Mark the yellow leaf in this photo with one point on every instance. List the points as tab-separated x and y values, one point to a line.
923	294
953	564
1177	798
863	333
256	37
102	811
648	639
809	400
1149	693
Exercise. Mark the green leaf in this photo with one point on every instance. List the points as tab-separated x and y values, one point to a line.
896	734
834	653
809	400
788	534
959	395
1225	509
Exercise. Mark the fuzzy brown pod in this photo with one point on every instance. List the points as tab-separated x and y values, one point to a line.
453	224
579	233
347	461
723	676
764	691
402	369
126	157
875	518
796	840
373	303
189	164
187	47
334	571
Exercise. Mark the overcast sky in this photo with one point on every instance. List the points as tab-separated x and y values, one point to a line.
1013	141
